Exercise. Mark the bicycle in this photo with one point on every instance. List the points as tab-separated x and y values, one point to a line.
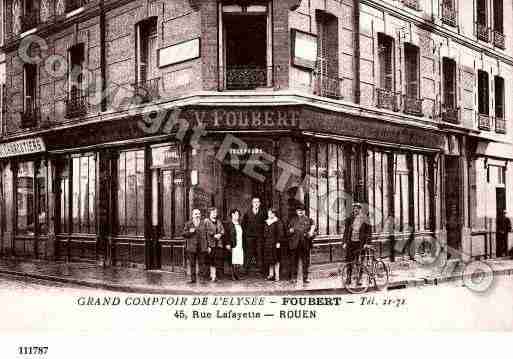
365	272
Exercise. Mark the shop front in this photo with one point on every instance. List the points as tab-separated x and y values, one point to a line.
112	193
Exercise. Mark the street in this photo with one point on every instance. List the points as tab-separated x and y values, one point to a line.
42	307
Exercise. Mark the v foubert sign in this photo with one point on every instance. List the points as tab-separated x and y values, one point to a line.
22	147
246	118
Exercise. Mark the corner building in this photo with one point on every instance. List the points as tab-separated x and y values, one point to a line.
398	104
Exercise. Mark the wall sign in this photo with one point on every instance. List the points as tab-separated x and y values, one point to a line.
304	49
174	54
22	147
165	156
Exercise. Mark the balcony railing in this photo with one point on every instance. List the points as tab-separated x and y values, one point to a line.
76	104
498	39
412	4
412	105
450	114
386	99
500	125
327	86
147	90
30	116
30	20
74	4
449	14
247	77
483	32
483	122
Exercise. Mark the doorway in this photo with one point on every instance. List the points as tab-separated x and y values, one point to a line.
501	236
240	188
452	203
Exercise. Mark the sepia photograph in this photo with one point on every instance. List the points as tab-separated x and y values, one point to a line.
255	166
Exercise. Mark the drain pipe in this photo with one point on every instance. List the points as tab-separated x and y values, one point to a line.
356	44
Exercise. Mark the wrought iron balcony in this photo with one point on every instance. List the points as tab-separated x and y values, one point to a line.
498	39
412	105
450	114
483	32
76	104
448	14
30	20
483	122
412	4
74	4
500	125
30	116
327	86
247	77
147	90
386	99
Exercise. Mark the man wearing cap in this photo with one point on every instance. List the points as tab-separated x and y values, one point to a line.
301	230
357	232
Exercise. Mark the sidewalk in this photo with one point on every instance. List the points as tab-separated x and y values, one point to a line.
403	275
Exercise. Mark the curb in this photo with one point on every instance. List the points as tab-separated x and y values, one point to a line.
400	284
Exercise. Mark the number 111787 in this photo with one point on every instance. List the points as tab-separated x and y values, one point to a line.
32	350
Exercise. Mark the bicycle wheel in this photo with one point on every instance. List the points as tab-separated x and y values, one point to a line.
357	280
381	274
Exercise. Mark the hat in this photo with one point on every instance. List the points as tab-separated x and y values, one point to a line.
357	204
300	207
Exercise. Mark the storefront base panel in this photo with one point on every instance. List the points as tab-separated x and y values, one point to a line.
29	247
129	252
483	245
76	249
172	255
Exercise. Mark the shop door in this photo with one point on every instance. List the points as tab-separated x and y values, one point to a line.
239	189
168	207
452	202
501	237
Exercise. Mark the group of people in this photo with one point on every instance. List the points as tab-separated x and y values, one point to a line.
256	239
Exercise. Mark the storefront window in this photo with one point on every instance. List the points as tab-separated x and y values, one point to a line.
328	200
84	193
131	192
422	192
402	197
378	187
32	199
7	195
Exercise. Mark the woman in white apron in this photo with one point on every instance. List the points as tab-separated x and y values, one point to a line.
234	243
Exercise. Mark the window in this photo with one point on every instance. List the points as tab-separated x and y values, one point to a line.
147	83
449	111
30	108
76	104
173	203
246	56
378	187
422	192
30	17
63	203
327	193
402	192
498	24
131	193
412	104
31	198
74	4
483	92
500	122
326	74
482	20
449	12
386	92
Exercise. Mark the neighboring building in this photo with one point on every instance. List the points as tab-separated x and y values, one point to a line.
398	104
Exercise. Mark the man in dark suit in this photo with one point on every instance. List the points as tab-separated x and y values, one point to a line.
357	231
301	230
253	228
195	243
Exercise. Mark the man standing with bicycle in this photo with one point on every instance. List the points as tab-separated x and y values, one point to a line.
357	231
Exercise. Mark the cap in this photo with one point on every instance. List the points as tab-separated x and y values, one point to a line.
300	207
357	204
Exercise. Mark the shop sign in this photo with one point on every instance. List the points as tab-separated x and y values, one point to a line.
268	118
22	147
165	156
